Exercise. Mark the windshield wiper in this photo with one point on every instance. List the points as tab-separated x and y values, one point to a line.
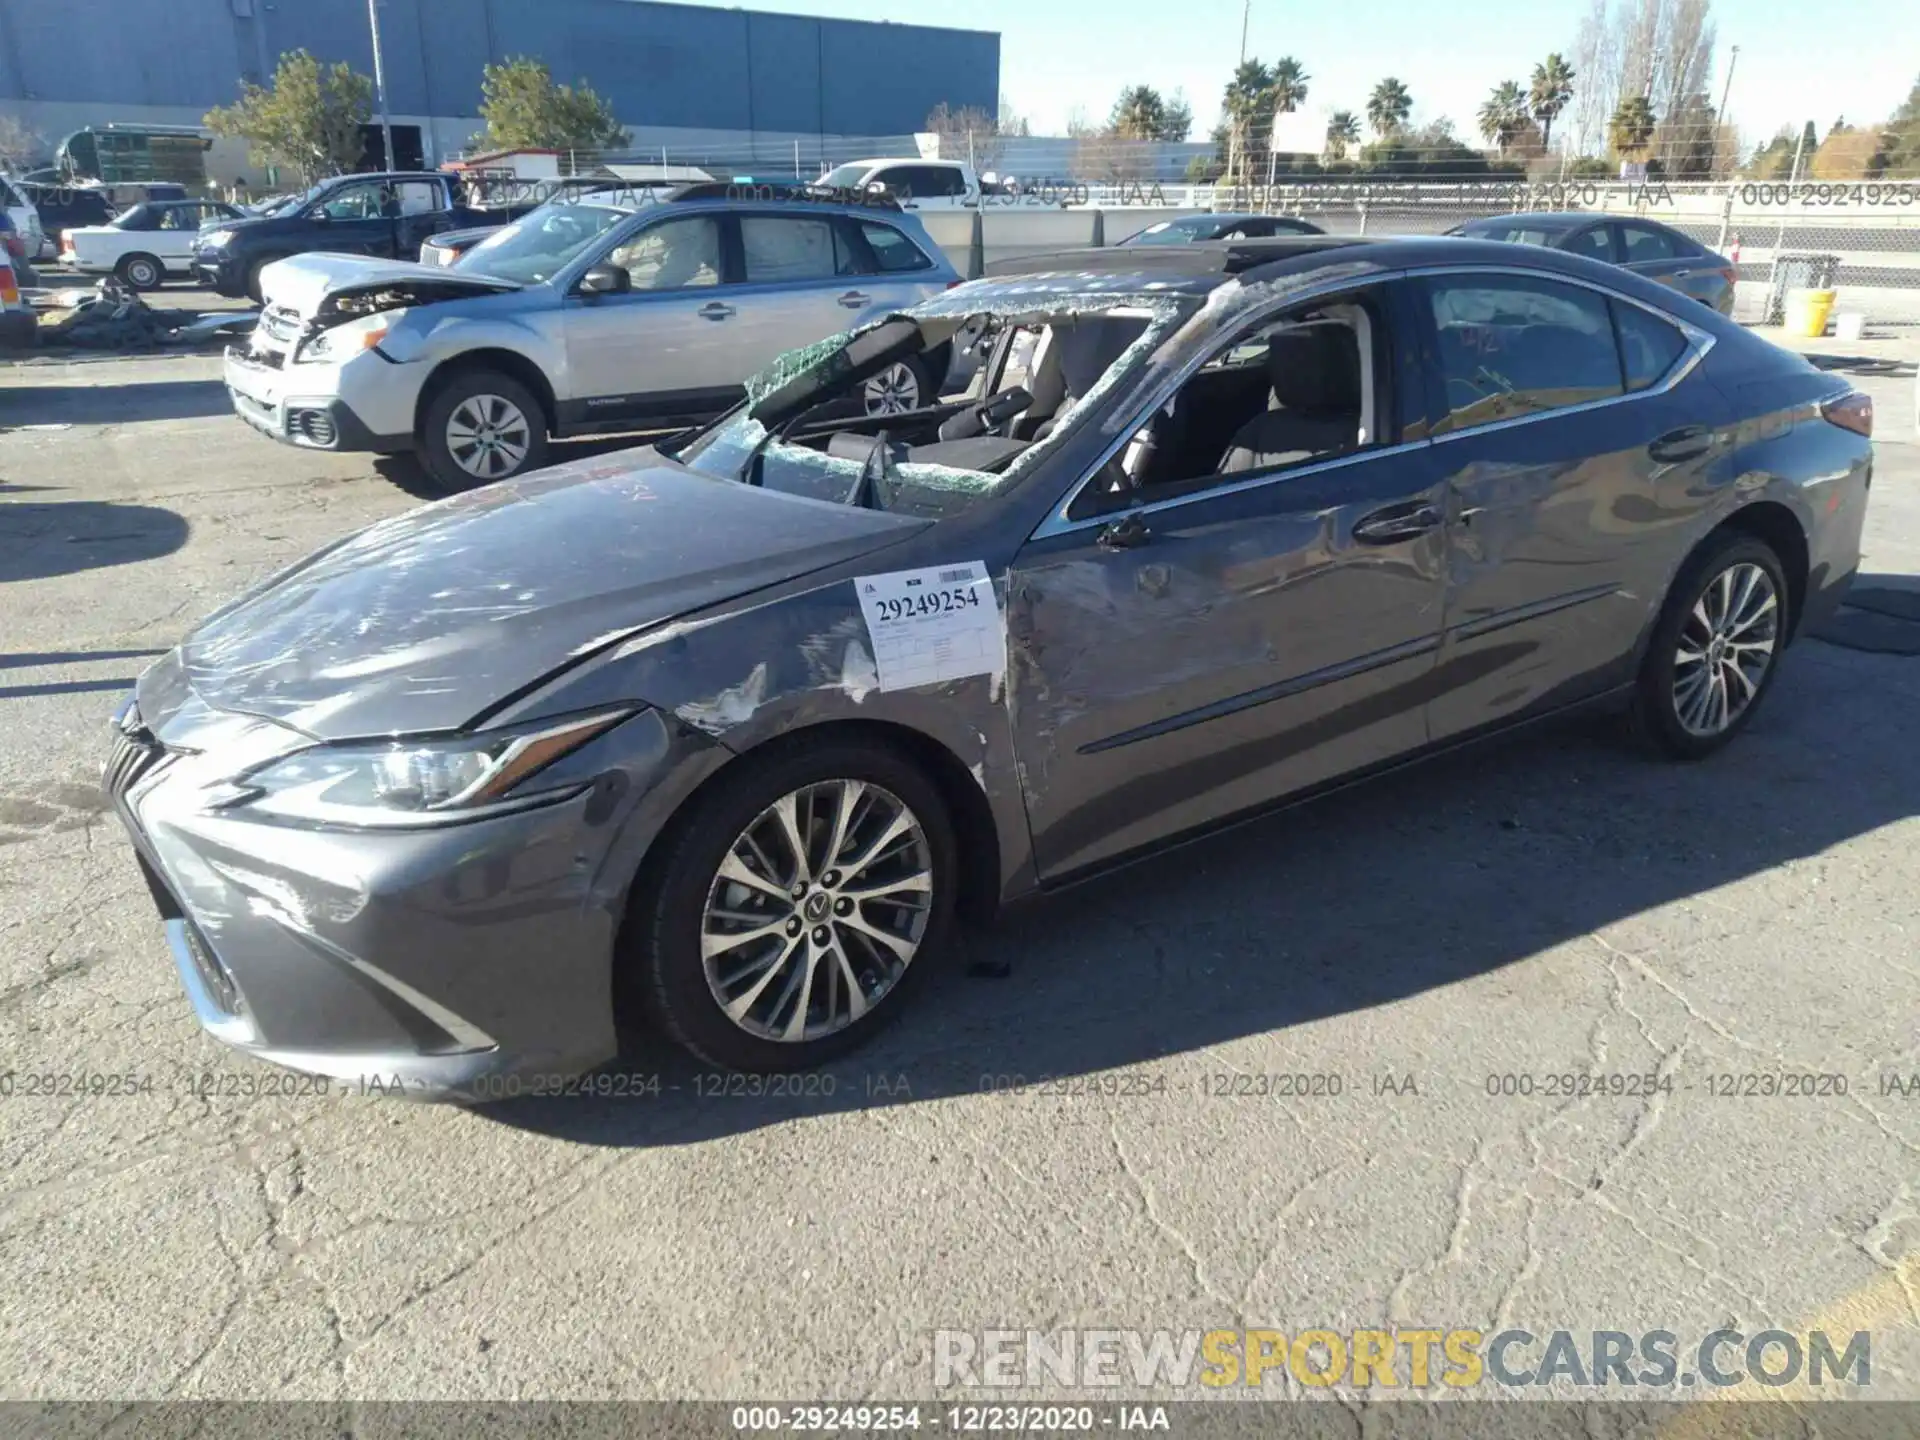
865	494
751	472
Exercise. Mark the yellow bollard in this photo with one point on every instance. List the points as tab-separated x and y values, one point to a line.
1808	311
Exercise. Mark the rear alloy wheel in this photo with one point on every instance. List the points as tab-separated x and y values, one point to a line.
896	390
1715	650
140	272
797	909
482	427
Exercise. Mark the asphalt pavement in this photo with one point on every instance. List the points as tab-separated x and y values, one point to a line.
1418	949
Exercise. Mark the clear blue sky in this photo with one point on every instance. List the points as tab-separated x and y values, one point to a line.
1059	55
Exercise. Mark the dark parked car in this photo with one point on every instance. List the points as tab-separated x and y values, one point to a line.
66	207
736	728
382	215
1645	247
1192	228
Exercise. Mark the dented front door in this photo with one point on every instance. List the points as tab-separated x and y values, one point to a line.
1197	657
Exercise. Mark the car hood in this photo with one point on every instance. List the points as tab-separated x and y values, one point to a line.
425	621
303	281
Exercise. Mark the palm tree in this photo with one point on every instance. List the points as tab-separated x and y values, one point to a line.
1504	112
1342	130
1552	89
1247	94
1388	107
1287	85
1631	126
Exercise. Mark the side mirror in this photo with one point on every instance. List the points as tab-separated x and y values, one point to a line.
606	280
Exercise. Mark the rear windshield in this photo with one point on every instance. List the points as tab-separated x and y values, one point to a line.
1173	232
1514	234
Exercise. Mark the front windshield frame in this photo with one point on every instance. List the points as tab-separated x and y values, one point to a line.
490	256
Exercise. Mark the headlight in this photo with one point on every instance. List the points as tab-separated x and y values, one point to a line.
416	783
344	341
217	240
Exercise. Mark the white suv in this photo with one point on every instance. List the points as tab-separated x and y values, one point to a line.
583	317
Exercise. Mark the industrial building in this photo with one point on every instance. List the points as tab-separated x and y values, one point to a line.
691	81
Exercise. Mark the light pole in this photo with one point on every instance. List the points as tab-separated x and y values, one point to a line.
380	85
1720	118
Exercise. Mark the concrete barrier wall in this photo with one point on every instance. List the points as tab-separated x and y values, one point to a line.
1879	249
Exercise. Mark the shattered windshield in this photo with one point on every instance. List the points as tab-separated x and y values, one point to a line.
1003	381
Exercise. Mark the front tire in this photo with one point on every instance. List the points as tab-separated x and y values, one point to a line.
1715	650
482	426
140	272
801	905
904	386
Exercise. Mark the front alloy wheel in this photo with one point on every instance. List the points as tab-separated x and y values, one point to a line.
795	906
1726	649
488	436
817	910
894	391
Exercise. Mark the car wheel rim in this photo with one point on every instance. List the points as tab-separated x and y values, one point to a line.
1725	650
894	391
141	272
816	911
487	436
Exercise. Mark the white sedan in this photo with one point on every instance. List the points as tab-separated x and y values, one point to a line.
145	244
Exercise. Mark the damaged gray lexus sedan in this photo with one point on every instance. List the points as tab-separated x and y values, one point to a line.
737	728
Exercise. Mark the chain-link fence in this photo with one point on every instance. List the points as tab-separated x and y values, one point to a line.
1861	239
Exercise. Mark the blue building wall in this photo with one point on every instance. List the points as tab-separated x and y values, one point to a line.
659	64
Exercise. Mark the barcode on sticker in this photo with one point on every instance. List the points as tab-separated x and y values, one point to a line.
955	577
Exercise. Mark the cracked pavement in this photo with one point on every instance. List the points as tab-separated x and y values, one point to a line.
1553	904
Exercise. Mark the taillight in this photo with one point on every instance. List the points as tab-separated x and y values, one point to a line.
954	284
1851	411
9	291
1730	275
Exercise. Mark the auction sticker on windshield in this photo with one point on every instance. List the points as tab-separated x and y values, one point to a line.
940	623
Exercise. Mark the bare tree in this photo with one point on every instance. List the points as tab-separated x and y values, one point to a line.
19	146
1597	63
967	133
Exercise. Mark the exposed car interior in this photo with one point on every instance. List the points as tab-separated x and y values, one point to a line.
1029	375
1308	385
1305	385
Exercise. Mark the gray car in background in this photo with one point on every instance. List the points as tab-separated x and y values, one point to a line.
607	313
1646	247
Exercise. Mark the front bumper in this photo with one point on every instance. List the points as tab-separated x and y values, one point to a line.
423	963
365	404
220	273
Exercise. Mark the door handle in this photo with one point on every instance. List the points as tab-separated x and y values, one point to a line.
1681	274
854	299
1127	533
1689	442
1396	523
714	310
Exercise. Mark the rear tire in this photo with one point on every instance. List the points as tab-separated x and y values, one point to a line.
818	941
140	272
1715	650
479	427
